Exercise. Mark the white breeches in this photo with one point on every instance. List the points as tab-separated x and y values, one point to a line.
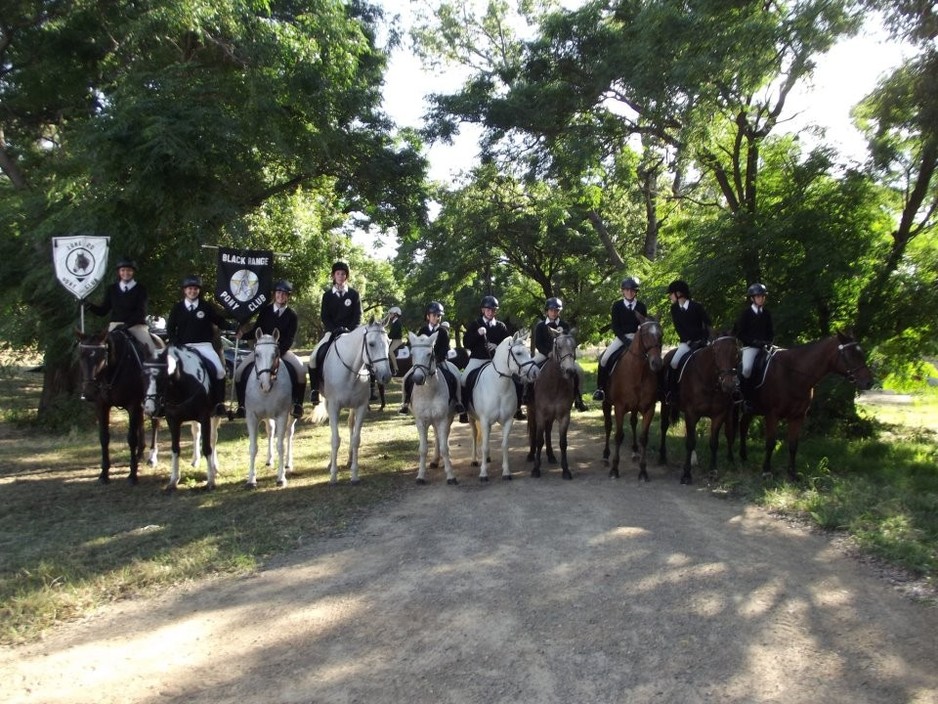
142	333
613	346
749	358
682	349
208	351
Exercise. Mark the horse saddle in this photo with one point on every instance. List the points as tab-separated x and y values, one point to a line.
451	380
760	366
470	383
614	359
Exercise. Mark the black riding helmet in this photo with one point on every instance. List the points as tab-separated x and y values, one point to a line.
554	303
680	287
757	289
435	307
489	302
340	266
283	285
630	282
126	262
191	280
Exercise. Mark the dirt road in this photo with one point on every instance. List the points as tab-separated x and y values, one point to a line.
537	591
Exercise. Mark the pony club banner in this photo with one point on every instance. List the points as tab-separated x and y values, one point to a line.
80	262
244	280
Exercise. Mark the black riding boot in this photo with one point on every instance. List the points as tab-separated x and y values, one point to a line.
314	385
218	396
241	391
374	390
299	391
577	396
408	390
673	394
520	414
599	394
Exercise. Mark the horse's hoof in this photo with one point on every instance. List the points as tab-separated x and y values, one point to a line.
551	459
613	473
507	477
643	476
686	479
355	482
281	482
421	481
567	474
208	487
452	482
104	479
169	490
483	479
250	485
132	480
536	473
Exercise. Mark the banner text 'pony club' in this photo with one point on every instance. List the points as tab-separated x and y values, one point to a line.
244	280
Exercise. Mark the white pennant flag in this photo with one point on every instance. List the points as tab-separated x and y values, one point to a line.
80	262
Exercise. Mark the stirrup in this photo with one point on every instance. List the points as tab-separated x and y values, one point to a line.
599	395
463	417
520	414
240	413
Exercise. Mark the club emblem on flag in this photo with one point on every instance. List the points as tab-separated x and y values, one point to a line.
244	280
80	262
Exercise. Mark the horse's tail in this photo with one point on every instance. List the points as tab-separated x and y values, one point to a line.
319	414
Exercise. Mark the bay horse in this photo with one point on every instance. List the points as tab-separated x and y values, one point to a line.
784	390
709	387
112	375
633	389
430	405
493	398
269	397
179	384
550	399
346	370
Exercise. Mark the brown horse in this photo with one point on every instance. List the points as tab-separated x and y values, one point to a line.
784	390
708	386
550	399
633	388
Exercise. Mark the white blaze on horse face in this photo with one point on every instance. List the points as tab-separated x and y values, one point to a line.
421	356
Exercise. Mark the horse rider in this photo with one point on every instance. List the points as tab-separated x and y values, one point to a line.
482	337
544	342
274	315
692	325
755	332
624	321
126	300
434	324
395	335
341	311
192	322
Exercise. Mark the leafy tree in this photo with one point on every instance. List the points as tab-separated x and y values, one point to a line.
174	125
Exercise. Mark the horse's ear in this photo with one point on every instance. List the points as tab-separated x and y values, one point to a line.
411	337
276	333
573	332
258	333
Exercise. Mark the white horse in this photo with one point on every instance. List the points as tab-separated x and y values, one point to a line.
345	373
269	396
494	399
430	405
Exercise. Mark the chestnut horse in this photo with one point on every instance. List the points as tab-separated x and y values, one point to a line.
709	386
784	390
633	388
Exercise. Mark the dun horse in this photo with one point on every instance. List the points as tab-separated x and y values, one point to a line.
347	367
550	400
493	399
431	406
268	397
708	386
179	384
633	389
784	390
112	375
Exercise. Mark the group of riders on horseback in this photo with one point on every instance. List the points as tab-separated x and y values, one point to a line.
193	319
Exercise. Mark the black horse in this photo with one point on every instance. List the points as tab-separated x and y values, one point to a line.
112	375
